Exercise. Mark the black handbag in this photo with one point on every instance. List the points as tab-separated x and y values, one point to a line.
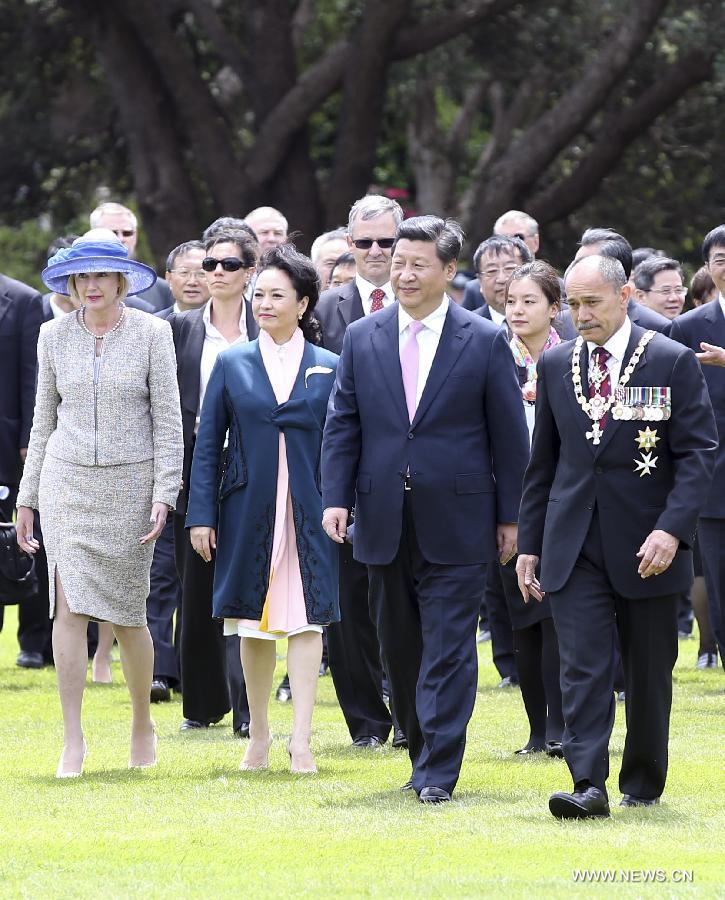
18	580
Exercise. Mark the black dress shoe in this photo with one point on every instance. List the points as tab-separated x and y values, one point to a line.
371	741
586	804
434	795
243	731
400	741
554	749
408	786
28	659
528	751
509	681
190	724
160	690
631	800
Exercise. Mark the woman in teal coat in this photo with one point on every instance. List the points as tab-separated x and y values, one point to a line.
257	504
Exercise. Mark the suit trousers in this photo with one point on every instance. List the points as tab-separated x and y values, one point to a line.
499	623
426	616
588	615
711	536
35	627
354	654
163	603
211	667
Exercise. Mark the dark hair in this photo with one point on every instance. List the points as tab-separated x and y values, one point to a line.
60	243
714	238
247	247
227	224
345	259
446	234
609	267
501	243
640	254
611	244
182	250
544	275
644	274
302	273
701	284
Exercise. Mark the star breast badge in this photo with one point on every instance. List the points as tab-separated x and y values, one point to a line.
647	439
645	465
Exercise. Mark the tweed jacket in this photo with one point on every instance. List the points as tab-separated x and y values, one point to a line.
130	414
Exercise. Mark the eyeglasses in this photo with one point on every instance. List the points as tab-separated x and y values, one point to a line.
229	264
185	274
366	243
124	232
669	292
492	271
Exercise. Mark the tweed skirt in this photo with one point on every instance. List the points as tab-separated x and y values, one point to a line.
92	518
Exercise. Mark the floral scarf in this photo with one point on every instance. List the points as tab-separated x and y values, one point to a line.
524	360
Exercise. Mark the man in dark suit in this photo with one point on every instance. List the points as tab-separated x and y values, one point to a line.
210	663
352	643
21	315
426	439
706	325
621	462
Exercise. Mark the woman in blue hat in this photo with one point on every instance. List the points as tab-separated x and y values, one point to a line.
103	468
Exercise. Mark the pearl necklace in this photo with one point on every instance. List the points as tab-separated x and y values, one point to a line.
597	407
100	337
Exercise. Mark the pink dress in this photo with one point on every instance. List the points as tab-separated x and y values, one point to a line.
284	613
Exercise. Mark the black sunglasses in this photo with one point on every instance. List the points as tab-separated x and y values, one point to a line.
366	243
229	264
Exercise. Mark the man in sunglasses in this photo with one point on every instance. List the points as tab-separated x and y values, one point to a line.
353	646
123	223
211	670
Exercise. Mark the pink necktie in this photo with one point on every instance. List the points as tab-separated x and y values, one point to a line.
377	296
409	358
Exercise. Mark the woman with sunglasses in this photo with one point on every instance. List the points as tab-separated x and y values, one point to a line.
276	572
211	673
103	469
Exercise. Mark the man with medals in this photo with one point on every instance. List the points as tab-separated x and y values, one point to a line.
623	452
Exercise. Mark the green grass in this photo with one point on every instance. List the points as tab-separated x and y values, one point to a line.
195	826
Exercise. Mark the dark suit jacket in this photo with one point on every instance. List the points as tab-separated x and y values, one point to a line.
21	315
707	323
568	475
166	313
335	310
157	297
188	331
647	318
563	322
466	448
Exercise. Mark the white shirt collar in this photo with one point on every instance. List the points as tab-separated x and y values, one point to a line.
721	300
617	343
56	310
212	329
434	321
365	288
496	317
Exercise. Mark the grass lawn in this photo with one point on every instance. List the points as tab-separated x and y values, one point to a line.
195	826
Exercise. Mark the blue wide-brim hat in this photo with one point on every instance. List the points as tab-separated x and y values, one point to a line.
96	254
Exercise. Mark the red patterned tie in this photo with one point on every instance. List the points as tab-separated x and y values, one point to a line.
377	296
600	357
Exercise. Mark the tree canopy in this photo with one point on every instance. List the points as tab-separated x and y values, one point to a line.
579	113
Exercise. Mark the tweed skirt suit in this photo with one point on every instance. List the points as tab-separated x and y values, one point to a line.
104	447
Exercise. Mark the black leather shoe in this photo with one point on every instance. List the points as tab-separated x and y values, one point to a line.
160	690
243	731
509	681
27	659
371	741
588	804
434	795
529	749
190	724
400	741
554	749
631	800
408	786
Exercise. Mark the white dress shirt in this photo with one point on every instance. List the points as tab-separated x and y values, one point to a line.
428	339
496	317
214	343
617	346
366	288
721	301
56	310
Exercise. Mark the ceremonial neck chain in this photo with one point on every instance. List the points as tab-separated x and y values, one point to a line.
597	407
100	337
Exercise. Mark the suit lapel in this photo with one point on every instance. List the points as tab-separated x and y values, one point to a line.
386	345
5	304
190	358
252	327
454	337
350	305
